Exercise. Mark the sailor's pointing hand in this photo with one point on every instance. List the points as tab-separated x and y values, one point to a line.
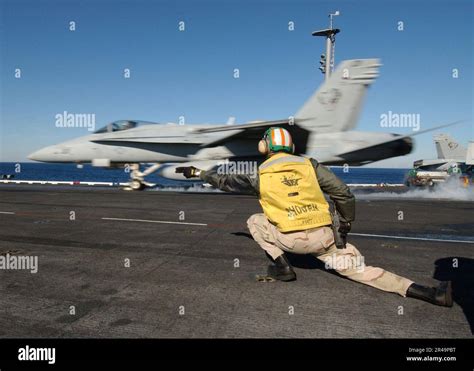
189	171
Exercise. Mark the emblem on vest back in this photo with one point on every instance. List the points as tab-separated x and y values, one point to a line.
290	182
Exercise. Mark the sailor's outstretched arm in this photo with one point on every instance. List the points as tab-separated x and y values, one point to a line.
241	183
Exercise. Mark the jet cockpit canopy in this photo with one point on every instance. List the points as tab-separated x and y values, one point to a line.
121	125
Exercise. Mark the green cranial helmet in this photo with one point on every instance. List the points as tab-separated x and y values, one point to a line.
279	139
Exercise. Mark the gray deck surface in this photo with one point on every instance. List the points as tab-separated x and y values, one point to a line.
191	267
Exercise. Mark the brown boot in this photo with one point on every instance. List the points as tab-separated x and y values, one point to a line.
441	295
281	270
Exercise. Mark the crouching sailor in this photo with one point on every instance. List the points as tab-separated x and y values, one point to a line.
296	218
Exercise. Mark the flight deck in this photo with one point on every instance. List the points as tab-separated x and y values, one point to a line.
160	264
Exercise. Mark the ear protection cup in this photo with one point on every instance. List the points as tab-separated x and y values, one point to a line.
263	147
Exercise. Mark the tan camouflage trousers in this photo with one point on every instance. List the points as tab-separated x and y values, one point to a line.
319	242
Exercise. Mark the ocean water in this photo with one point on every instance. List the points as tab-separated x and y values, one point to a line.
70	172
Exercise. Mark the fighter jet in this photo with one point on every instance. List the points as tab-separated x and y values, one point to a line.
322	128
450	154
453	159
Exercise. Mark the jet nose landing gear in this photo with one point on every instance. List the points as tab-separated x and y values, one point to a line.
135	185
137	178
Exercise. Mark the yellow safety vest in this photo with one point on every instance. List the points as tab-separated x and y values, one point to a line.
290	194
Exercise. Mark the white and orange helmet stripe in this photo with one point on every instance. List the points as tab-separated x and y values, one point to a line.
281	137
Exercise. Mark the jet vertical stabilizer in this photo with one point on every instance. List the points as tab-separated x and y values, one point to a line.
448	148
336	105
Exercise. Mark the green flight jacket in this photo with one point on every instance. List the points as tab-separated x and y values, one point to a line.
329	183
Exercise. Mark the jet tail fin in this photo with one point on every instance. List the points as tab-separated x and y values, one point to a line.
336	105
448	148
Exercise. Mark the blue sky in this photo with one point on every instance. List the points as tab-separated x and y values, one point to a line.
190	73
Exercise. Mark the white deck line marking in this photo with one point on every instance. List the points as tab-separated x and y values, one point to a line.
6	212
152	221
409	238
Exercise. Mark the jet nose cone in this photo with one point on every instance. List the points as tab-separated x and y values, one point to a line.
34	156
43	154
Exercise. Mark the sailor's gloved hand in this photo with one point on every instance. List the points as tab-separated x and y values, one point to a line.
344	228
189	171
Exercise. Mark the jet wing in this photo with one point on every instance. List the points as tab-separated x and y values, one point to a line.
254	131
196	136
396	138
156	139
248	125
419	163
